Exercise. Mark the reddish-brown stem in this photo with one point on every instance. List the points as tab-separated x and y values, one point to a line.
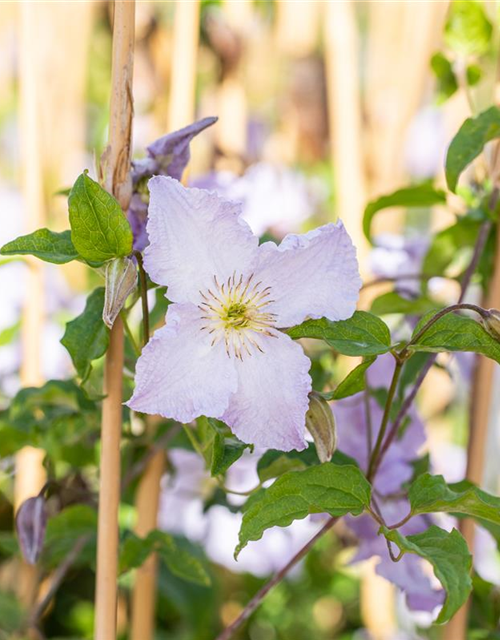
260	595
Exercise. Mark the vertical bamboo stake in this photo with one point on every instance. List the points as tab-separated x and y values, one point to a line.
117	181
184	56
232	99
30	474
181	113
482	398
344	110
147	501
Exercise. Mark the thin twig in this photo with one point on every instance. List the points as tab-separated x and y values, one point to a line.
411	276
144	297
259	596
451	309
385	419
57	578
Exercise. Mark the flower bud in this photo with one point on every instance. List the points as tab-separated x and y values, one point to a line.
121	279
320	422
491	322
31	522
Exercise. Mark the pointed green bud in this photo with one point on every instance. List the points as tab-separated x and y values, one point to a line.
121	280
320	423
31	522
491	322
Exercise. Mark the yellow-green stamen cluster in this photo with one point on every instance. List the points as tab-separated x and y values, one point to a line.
234	311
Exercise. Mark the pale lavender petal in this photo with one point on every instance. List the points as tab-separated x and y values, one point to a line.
194	235
171	152
179	374
311	275
270	405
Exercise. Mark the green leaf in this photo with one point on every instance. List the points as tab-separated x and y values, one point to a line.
447	242
64	529
100	230
44	244
473	74
431	494
447	83
86	337
8	334
353	383
361	335
456	333
220	447
135	551
468	31
12	439
419	195
469	142
275	463
393	302
12	615
325	488
180	562
450	559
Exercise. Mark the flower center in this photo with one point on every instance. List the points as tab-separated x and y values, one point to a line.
235	312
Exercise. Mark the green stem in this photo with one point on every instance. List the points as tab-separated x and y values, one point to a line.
129	333
454	307
385	418
193	440
238	493
143	285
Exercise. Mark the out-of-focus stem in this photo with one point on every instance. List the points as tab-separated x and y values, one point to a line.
344	110
116	166
30	474
146	502
482	394
181	113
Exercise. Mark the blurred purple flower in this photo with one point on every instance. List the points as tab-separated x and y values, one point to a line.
396	470
407	574
354	437
167	156
182	512
395	256
425	145
273	197
221	353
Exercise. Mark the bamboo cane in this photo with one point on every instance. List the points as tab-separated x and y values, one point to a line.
117	181
30	474
147	501
184	57
181	113
344	111
482	398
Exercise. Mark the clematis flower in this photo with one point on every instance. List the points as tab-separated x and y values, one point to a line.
167	156
221	353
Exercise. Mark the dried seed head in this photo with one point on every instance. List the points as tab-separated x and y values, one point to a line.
491	322
320	422
121	279
31	522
